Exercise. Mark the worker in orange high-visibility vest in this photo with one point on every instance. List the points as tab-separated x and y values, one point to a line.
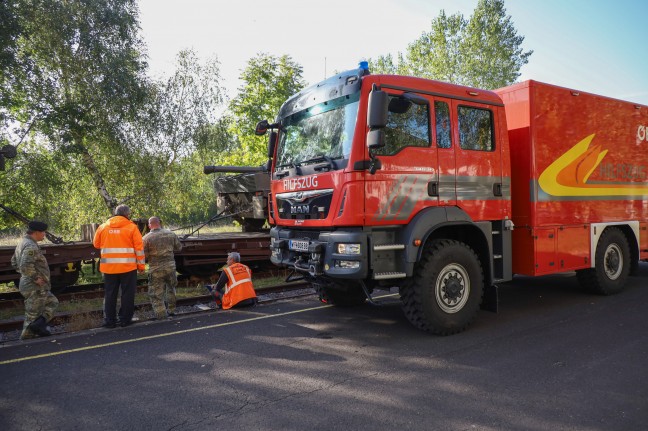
122	257
234	288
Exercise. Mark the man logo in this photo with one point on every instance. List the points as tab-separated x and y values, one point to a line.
299	209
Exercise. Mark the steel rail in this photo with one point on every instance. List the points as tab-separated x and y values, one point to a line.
86	291
63	318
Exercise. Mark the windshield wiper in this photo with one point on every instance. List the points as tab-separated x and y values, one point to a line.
289	166
329	162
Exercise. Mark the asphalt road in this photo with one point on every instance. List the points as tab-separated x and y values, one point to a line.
553	358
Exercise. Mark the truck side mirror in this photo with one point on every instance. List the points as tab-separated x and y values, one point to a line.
272	142
377	109
261	128
375	139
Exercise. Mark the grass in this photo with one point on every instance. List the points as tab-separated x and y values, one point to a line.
10	238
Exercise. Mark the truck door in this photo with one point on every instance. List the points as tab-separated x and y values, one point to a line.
408	179
478	161
443	118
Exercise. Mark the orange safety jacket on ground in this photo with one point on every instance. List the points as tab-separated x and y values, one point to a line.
120	242
239	285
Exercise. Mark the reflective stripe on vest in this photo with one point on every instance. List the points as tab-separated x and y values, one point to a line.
117	260
117	250
238	282
141	259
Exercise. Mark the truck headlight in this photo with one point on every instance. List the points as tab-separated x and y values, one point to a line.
347	264
348	248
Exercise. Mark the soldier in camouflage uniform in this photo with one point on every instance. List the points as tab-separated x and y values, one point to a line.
159	246
35	285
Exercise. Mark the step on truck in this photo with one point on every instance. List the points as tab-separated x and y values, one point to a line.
444	191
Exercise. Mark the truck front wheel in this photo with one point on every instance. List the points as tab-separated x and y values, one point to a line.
445	292
611	264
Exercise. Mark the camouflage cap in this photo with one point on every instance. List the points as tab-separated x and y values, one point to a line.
37	226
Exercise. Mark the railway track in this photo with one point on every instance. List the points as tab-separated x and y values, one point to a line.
81	291
265	294
90	291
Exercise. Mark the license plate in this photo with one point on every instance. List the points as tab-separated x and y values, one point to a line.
298	245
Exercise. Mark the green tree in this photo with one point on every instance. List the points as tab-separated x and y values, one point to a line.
385	65
483	51
181	133
9	32
79	76
438	53
186	103
268	81
492	53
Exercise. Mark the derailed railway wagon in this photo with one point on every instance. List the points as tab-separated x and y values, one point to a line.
201	256
64	261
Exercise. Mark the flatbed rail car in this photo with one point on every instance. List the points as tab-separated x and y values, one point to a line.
201	256
64	261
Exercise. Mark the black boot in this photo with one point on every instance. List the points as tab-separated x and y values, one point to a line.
39	327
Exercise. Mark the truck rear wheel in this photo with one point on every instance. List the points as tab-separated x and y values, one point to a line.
445	292
611	264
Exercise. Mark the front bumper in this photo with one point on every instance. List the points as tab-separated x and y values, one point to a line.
316	252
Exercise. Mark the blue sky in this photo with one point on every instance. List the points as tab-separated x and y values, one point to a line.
590	45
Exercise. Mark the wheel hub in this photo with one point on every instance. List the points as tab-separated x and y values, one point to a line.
613	262
452	288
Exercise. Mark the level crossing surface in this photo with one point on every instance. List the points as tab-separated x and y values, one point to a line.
553	358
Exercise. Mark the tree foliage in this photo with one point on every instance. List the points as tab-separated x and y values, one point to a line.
9	32
186	102
492	54
268	81
77	79
483	51
93	131
181	133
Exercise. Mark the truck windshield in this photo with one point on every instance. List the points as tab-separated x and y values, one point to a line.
321	131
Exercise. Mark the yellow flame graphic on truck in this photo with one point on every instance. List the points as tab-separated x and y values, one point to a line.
568	175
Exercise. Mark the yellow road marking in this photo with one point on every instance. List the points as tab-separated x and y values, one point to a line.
151	337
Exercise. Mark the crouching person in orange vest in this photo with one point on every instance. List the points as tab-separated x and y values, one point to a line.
234	287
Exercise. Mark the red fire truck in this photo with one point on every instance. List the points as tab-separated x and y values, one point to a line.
445	191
